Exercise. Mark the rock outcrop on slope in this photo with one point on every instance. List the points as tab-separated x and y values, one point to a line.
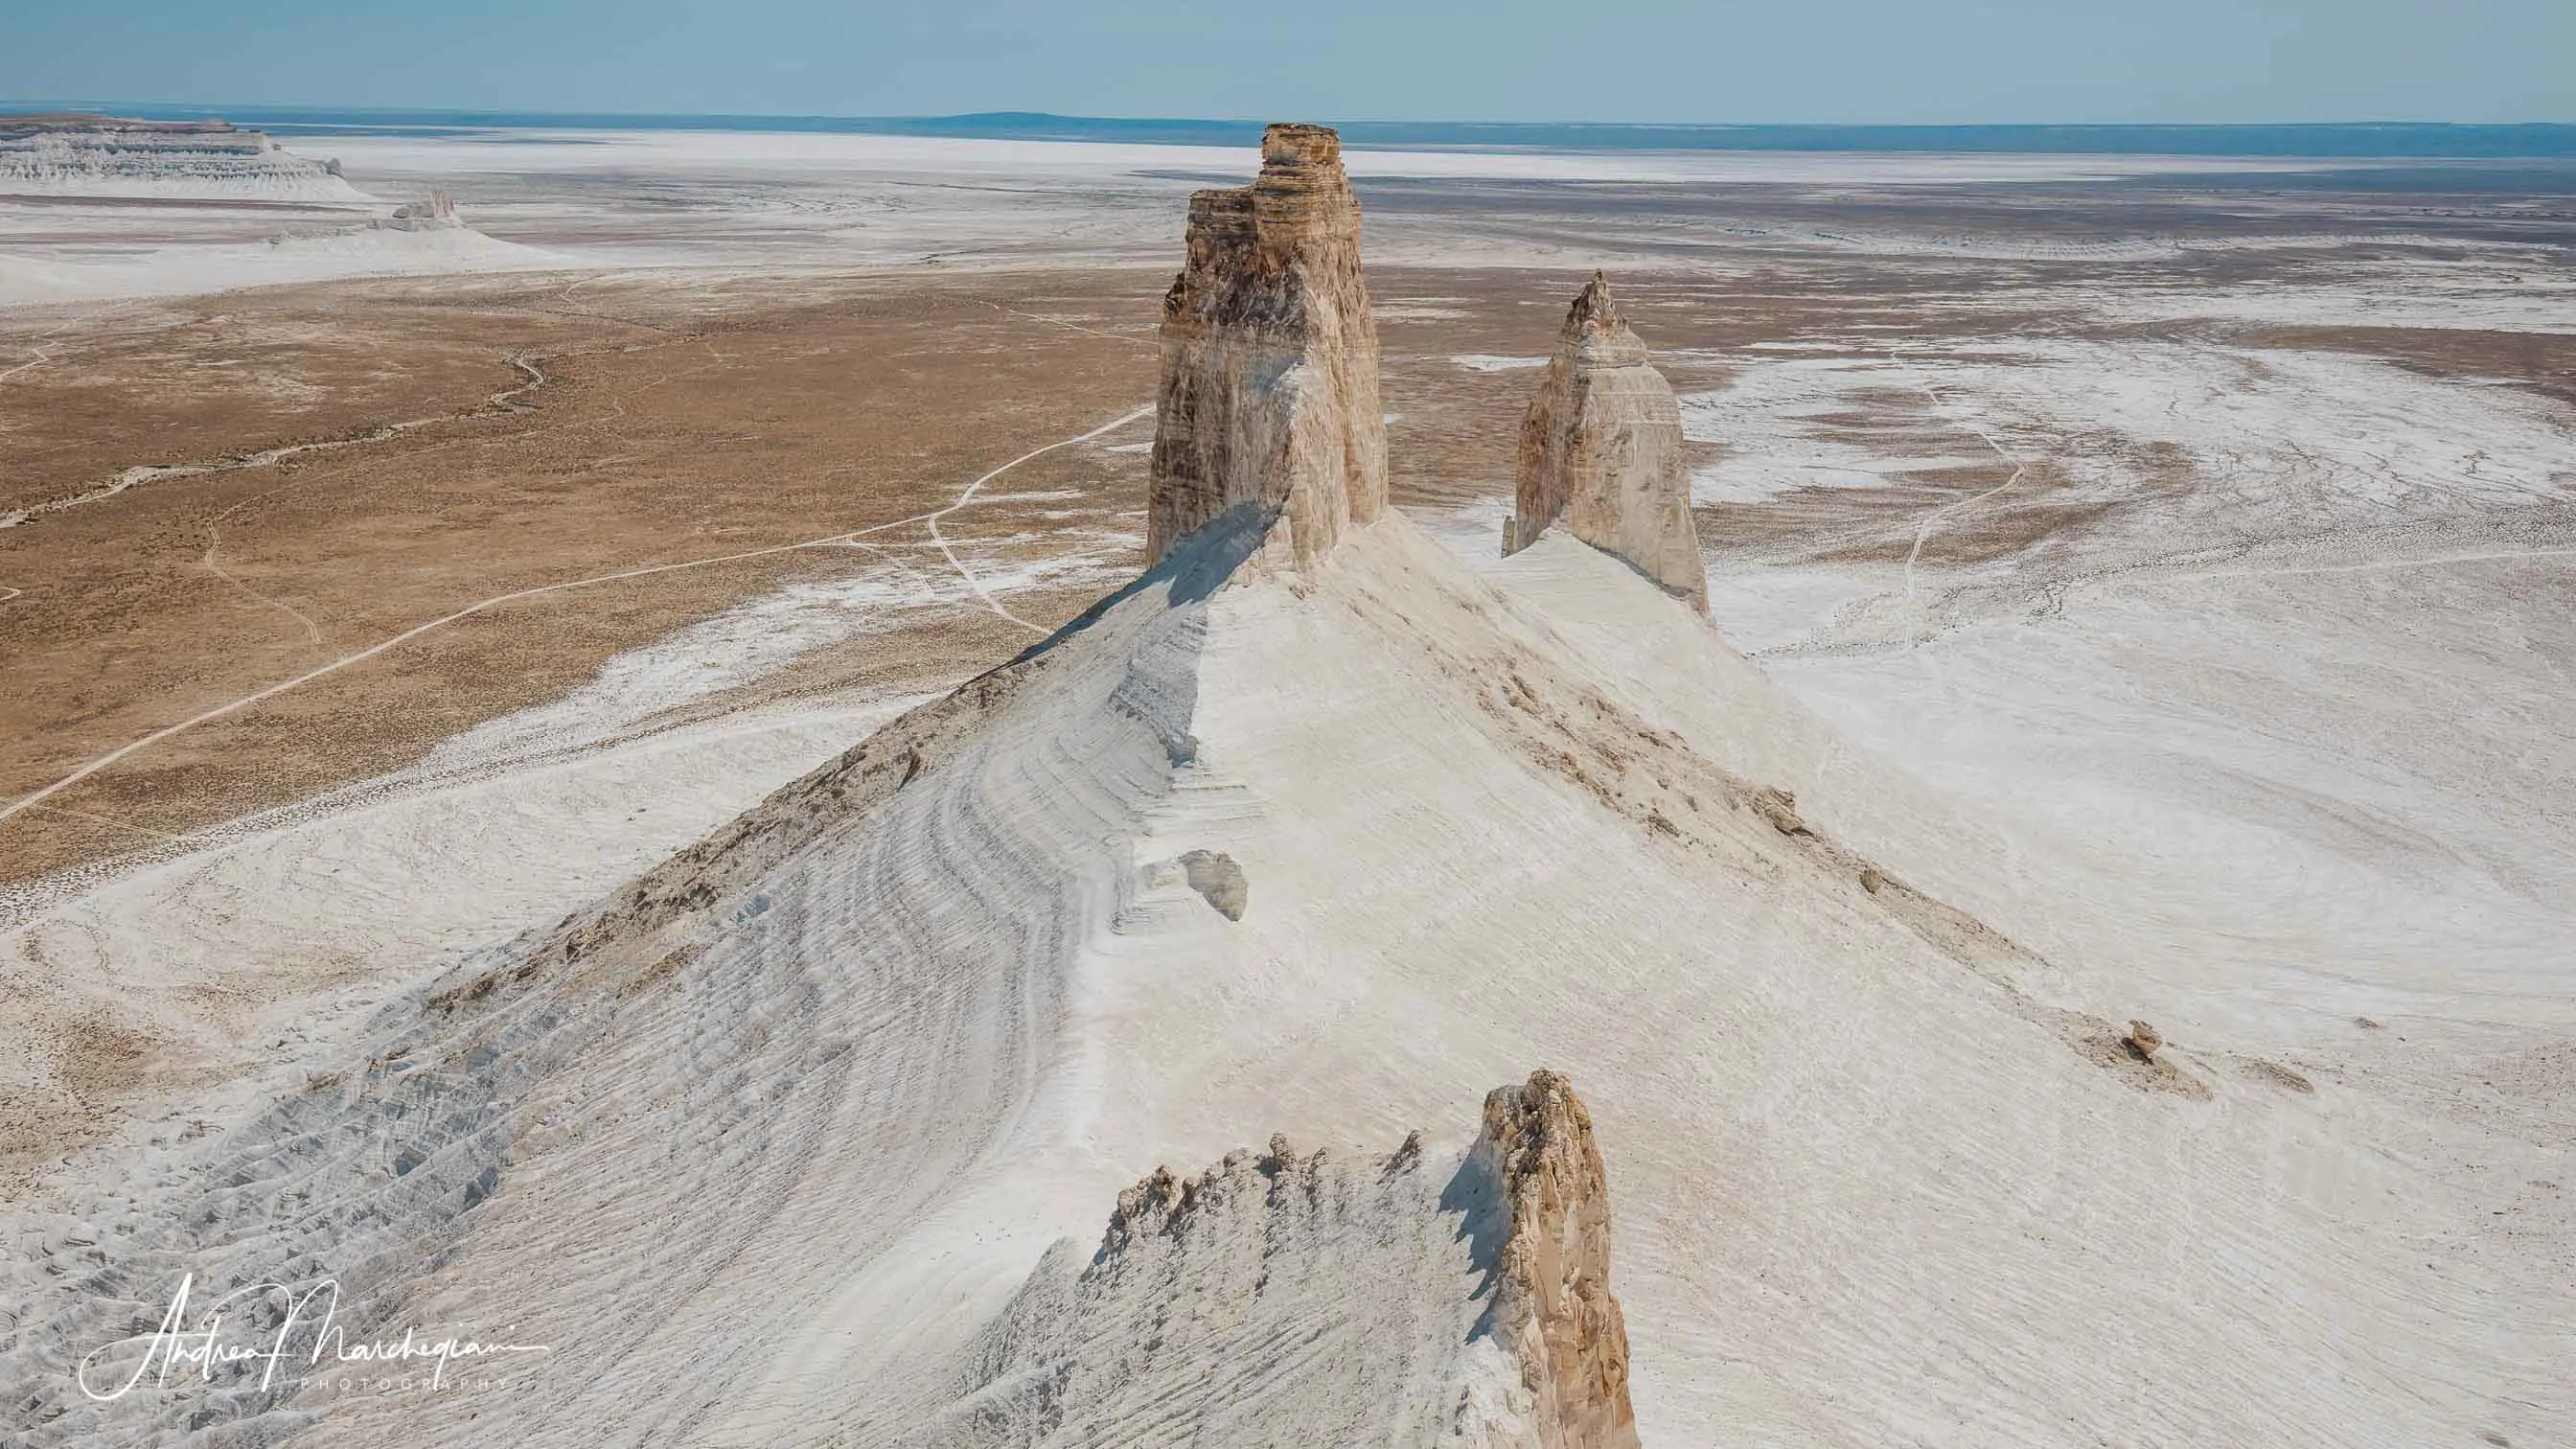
1601	447
1219	880
1454	1299
1269	388
438	213
1552	1301
71	154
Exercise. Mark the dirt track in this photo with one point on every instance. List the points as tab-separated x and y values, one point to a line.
408	585
693	444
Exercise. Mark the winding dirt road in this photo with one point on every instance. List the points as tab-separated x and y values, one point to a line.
505	400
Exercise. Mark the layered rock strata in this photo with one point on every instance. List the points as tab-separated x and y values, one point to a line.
76	154
1601	448
1457	1299
1269	394
1552	1303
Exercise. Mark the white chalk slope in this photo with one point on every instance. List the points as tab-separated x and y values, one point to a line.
768	1145
187	270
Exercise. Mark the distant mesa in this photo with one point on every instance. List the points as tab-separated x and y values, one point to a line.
120	131
77	154
78	122
1601	448
1269	396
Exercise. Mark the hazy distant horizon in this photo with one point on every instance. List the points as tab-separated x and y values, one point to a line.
2387	139
1834	62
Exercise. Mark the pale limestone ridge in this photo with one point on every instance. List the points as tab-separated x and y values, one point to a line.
73	154
1455	1299
1269	391
1552	1302
1601	446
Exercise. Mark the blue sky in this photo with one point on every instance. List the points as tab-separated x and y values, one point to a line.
1831	61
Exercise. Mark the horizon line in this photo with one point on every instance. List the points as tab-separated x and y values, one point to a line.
2350	140
13	105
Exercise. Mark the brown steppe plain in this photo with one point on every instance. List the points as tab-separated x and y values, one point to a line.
714	437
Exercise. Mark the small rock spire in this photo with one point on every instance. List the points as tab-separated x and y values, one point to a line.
1601	447
1552	1304
1594	308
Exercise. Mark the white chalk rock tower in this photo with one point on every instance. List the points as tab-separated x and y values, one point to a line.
1601	448
1269	387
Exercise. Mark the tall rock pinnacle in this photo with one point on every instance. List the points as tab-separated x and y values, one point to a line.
1602	447
1269	392
1552	1304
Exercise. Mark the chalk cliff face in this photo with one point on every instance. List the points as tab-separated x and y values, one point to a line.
83	155
1269	390
1552	1302
1601	447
